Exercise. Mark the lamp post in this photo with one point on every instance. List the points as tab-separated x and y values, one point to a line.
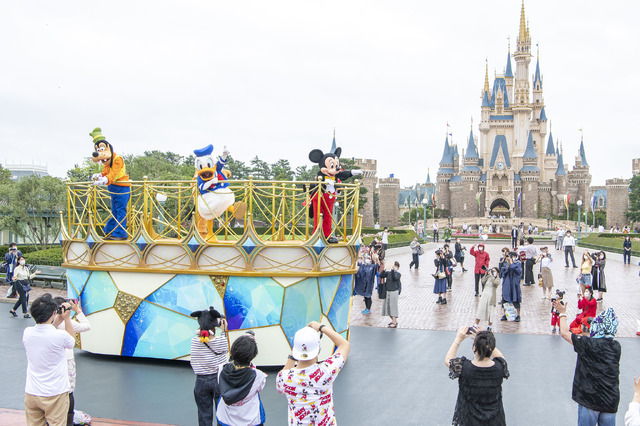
424	215
579	218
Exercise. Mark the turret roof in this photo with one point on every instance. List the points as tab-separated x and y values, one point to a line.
447	154
551	150
499	83
485	100
543	114
471	151
537	76
508	72
530	152
583	158
560	171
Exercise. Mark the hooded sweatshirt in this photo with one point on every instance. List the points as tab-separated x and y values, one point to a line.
240	400
482	258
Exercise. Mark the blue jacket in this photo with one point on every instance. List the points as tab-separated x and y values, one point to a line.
12	260
511	276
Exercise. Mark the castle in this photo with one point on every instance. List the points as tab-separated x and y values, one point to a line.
516	170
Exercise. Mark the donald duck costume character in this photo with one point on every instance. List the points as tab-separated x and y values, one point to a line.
114	175
214	194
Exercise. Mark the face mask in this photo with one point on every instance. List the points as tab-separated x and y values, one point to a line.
479	249
601	256
22	262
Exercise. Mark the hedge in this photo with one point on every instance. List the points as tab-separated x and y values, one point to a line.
52	257
610	242
24	249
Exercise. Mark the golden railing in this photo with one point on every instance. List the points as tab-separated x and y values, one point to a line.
278	210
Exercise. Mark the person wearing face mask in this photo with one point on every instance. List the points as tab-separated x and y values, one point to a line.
394	288
11	261
589	306
459	256
585	271
487	304
440	285
598	278
482	264
21	277
511	292
545	270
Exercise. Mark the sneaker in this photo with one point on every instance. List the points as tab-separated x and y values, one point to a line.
27	316
448	288
489	328
439	300
12	312
553	330
464	270
444	301
504	318
366	311
517	318
476	295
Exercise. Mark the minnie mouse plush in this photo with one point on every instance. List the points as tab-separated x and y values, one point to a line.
331	173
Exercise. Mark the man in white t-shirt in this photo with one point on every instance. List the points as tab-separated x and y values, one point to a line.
307	383
47	387
436	235
531	253
569	245
384	237
560	237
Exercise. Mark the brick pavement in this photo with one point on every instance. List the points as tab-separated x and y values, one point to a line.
418	309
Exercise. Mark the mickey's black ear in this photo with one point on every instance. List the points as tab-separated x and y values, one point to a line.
338	151
315	156
196	314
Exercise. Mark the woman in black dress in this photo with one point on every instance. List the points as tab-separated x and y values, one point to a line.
598	279
479	380
459	254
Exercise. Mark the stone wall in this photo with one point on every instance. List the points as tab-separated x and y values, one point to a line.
530	198
617	202
368	180
389	210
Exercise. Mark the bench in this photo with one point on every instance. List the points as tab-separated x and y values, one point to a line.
50	274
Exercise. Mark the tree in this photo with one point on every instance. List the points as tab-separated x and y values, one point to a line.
305	173
239	170
30	206
281	170
5	175
260	169
376	207
634	199
82	172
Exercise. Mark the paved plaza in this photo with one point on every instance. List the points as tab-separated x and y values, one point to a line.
392	376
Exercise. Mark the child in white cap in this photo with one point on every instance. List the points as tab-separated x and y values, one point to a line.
307	383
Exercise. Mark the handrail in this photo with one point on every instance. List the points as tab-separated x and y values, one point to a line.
167	210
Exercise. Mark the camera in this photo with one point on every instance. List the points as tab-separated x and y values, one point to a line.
471	330
61	309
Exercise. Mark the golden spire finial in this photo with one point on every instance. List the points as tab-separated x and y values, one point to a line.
523	26
486	75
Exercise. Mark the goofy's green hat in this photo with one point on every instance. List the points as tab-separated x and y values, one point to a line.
97	135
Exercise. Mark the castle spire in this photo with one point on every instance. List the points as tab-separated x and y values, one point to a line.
471	151
447	154
560	171
428	176
333	145
486	76
551	150
508	73
523	25
583	158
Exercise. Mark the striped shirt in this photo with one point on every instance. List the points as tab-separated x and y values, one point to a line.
203	359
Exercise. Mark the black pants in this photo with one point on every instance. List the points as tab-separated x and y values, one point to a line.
514	242
569	251
367	303
415	261
206	393
436	236
22	297
478	278
449	279
72	403
528	276
626	257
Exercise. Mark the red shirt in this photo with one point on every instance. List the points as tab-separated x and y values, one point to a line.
482	259
588	306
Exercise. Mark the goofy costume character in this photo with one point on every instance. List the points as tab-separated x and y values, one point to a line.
330	173
114	175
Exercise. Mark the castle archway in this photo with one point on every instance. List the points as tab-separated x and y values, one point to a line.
500	207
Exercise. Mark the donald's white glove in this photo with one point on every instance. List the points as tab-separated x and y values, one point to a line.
225	153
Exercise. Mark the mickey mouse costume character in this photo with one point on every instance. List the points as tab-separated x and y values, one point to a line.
331	173
114	175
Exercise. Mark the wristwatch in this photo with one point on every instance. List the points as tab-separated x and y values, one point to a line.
320	328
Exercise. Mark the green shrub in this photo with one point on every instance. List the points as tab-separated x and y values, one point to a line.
52	257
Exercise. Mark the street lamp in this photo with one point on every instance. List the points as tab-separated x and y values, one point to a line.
579	218
424	215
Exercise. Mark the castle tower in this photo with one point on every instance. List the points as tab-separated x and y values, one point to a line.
389	209
368	180
635	166
466	203
538	100
445	173
530	175
560	185
508	75
579	177
521	106
617	202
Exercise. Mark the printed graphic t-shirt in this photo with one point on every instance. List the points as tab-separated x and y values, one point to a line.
309	392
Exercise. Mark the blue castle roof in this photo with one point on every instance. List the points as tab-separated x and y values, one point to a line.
456	178
537	77
485	100
508	72
447	154
543	114
499	83
551	150
560	171
471	151
583	157
530	152
499	143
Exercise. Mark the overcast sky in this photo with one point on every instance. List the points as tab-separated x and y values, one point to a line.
273	78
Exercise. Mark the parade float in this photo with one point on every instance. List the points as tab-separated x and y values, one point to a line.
262	264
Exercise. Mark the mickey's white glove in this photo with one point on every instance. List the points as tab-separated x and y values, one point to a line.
102	180
96	176
225	153
331	188
356	172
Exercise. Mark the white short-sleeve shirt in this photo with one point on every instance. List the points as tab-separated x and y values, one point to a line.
46	348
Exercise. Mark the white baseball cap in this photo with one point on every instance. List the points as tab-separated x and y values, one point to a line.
306	344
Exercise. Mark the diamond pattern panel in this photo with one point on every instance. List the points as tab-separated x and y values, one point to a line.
301	306
77	278
339	311
156	332
249	245
252	302
187	293
328	286
99	293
